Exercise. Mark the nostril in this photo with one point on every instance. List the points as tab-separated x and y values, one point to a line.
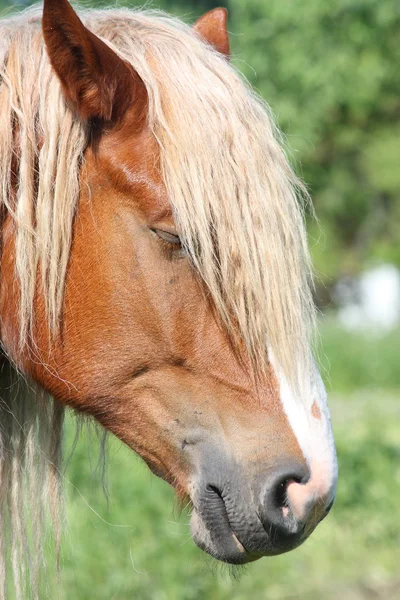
281	500
281	497
276	504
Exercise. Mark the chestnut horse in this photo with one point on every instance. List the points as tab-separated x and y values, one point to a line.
154	275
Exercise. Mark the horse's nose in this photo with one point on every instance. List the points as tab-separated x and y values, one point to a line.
239	517
275	507
314	496
291	494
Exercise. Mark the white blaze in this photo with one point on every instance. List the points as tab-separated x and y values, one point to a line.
314	435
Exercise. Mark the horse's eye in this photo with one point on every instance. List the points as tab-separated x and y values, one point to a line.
169	237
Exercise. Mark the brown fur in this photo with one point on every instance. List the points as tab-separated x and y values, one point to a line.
97	83
315	411
212	28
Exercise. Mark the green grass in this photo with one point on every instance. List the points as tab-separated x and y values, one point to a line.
144	550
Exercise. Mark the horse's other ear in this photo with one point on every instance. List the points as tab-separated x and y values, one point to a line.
212	27
97	82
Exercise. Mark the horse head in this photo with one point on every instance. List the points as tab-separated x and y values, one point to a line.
171	301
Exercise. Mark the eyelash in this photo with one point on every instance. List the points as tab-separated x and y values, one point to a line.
171	244
169	238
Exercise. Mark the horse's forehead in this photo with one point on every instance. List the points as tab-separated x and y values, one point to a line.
131	159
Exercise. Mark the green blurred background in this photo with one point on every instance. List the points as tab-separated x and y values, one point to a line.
330	71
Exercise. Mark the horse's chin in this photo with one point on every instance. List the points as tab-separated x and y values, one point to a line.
223	546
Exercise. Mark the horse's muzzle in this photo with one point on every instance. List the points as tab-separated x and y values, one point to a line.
238	518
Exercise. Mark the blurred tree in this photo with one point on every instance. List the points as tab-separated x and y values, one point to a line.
330	72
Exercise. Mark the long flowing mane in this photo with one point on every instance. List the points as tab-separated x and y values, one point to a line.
234	195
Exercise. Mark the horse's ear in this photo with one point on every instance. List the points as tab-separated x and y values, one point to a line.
98	83
212	27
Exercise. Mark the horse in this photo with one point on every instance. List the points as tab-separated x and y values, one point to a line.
154	275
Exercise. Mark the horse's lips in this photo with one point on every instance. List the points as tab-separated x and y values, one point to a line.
224	546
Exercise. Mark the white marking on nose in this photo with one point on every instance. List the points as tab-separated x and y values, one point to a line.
309	419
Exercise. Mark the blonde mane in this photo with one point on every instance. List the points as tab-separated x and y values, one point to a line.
235	197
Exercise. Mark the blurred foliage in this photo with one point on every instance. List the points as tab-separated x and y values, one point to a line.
329	70
351	360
